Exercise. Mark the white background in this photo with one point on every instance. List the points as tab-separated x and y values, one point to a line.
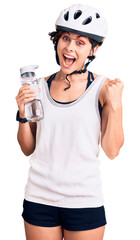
24	40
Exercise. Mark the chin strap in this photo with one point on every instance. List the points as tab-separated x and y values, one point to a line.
80	71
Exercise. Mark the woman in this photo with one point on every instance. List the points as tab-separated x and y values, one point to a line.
63	195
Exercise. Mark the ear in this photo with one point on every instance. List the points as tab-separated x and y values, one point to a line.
96	48
93	50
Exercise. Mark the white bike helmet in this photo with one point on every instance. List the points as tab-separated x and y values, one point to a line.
83	20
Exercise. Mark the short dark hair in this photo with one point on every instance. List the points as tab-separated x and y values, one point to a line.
55	35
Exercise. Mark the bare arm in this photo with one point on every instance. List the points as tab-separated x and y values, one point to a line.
27	131
112	136
27	137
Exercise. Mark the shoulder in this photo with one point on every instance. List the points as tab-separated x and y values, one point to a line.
52	75
46	78
102	95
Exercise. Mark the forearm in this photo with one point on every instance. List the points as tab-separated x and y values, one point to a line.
25	138
114	137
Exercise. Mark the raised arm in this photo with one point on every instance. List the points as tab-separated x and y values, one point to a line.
112	136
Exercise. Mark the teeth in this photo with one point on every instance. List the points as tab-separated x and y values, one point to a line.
68	56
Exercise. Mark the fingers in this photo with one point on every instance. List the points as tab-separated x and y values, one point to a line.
26	98
25	95
110	83
113	82
118	80
25	92
26	87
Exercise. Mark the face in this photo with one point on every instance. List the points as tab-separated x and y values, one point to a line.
73	50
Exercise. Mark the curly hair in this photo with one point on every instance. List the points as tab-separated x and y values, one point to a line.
55	35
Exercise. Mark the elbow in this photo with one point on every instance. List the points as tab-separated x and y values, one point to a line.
112	154
26	148
27	152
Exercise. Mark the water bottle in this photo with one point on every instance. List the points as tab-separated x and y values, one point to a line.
33	109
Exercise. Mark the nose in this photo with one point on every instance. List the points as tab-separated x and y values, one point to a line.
71	46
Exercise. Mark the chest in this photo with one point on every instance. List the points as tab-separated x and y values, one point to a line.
58	93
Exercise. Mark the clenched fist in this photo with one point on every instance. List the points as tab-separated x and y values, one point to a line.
113	91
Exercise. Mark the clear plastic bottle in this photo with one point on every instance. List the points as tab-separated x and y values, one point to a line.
33	109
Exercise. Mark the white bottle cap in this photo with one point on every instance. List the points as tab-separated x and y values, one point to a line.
29	68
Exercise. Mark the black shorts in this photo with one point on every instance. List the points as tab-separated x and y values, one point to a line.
72	219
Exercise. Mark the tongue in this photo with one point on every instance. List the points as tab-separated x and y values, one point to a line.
69	61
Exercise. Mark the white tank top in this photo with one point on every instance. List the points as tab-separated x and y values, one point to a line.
64	168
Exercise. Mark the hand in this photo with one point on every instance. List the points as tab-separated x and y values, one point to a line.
113	90
25	95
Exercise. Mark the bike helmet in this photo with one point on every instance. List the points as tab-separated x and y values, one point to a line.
83	20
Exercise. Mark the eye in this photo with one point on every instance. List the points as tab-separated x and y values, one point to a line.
80	43
66	38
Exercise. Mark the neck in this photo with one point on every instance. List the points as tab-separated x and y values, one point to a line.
61	76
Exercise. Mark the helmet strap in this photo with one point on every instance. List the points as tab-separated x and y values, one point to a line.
78	72
90	59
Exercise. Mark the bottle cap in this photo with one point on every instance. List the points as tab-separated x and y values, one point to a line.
29	68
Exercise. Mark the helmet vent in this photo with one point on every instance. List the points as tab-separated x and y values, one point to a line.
87	20
77	14
97	15
66	16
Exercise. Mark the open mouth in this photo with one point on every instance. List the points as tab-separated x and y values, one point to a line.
69	60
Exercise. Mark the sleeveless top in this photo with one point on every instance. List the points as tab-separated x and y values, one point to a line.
64	167
90	79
